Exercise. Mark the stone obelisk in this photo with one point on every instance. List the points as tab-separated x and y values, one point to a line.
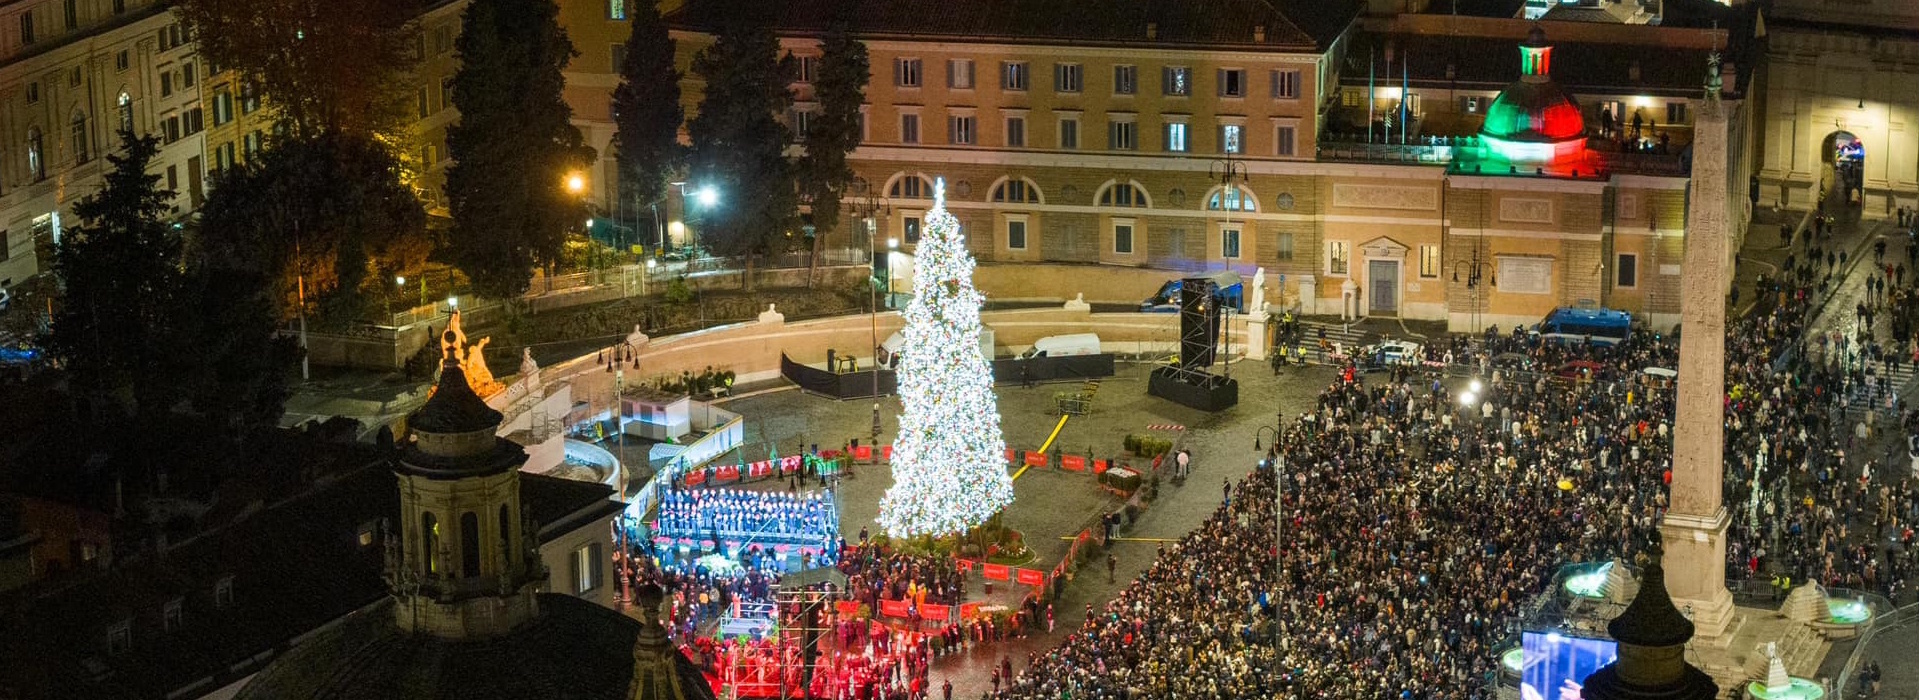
1694	531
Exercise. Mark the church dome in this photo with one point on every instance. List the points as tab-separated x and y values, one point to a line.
455	432
575	650
1534	109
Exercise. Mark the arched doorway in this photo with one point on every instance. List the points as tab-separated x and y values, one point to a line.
1842	182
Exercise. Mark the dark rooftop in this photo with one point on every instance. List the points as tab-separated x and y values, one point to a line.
454	407
295	565
1294	25
1491	63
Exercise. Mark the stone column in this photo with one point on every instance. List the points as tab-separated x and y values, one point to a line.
1694	531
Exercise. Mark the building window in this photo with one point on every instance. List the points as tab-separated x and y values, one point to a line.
1627	271
1230	138
1285	84
1013	75
33	92
1176	137
1016	132
586	568
809	67
173	613
911	187
442	40
909	128
194	120
1019	190
1470	105
166	84
960	130
249	99
1123	238
222	107
250	145
73	77
1124	194
617	9
1676	113
1066	77
1176	81
1286	246
26	27
430	541
223	592
36	155
122	61
1126	80
120	638
1231	199
1337	253
911	229
82	151
802	124
1121	136
1233	82
619	52
1429	261
119	7
173	179
1230	243
960	73
189	75
421	106
1283	137
126	112
170	129
1069	133
1016	234
906	72
72	14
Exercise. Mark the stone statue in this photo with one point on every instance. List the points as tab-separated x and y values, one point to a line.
1259	305
1713	77
527	367
1777	679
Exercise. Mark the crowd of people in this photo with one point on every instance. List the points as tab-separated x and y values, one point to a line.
876	571
886	666
1420	517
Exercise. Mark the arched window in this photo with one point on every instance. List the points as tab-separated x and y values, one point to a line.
469	544
1016	189
82	140
1235	199
126	112
908	186
430	541
36	155
1123	194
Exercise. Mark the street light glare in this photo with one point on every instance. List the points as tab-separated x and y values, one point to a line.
576	183
708	196
1474	386
1467	399
893	243
399	279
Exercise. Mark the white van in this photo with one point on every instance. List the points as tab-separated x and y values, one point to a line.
1068	345
890	350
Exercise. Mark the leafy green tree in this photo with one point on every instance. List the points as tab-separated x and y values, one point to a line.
646	109
331	213
122	325
244	363
513	147
738	141
338	65
840	88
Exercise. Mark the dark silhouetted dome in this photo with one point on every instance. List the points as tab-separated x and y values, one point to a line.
574	650
454	407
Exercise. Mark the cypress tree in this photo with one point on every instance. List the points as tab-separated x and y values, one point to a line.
739	143
646	110
840	88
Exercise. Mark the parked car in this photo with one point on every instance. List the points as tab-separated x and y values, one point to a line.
1388	353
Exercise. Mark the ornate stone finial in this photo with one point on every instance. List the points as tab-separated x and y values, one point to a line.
1713	77
527	366
772	316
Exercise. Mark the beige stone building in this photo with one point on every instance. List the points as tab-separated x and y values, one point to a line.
1189	138
73	73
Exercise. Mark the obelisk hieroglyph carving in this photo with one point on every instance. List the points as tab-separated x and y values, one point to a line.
1694	531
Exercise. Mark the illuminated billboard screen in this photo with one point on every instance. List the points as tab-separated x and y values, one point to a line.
1554	665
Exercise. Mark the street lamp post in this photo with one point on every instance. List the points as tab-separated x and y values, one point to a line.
1278	466
1476	268
619	356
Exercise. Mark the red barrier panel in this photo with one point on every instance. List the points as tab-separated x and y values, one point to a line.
863	452
847	607
968	610
966	565
696	477
1073	463
886	452
1099	466
1011	456
997	572
789	465
893	608
727	473
1031	577
1036	459
936	613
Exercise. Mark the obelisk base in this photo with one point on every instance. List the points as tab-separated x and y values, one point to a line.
1695	555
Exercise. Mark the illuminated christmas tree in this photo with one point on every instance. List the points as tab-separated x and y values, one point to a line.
949	463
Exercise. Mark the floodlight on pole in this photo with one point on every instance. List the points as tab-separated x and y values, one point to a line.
708	196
